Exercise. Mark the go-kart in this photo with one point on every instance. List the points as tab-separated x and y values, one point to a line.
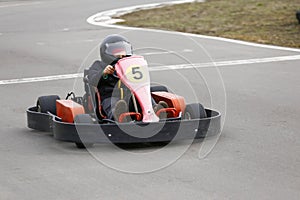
81	120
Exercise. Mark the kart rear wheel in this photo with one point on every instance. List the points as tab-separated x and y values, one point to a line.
194	111
47	103
159	88
83	119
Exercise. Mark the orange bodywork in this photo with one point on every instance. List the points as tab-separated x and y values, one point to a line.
137	116
173	101
68	109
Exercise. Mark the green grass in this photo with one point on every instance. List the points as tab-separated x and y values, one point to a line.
262	21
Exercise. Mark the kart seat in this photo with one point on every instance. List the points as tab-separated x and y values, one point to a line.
93	103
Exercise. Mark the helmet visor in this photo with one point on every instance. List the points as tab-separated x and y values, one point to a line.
118	48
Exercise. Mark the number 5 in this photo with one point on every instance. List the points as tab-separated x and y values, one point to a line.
138	74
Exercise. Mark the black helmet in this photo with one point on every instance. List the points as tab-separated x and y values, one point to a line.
113	44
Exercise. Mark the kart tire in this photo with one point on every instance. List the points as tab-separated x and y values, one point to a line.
83	119
159	88
81	145
47	103
194	111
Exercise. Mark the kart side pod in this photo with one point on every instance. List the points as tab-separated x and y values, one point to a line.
68	109
174	101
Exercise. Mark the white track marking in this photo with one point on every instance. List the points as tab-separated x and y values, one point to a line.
161	68
226	63
165	52
39	79
40	43
157	53
105	19
18	4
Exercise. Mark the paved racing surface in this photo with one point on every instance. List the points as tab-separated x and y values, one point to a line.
256	156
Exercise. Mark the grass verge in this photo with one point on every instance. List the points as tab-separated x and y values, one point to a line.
261	21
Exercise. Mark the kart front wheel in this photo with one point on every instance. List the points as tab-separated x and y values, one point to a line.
81	145
194	111
47	103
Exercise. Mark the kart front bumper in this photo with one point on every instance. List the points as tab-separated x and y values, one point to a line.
137	132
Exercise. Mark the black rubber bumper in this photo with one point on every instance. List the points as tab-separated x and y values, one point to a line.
39	121
139	132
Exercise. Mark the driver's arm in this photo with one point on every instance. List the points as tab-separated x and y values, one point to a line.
95	72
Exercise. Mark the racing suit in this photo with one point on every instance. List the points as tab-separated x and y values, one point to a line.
109	86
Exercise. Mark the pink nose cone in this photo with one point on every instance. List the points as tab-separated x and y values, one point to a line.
150	117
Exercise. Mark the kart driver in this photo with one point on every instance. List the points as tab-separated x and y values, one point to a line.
102	75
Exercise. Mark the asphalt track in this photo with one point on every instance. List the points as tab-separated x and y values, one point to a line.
256	156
